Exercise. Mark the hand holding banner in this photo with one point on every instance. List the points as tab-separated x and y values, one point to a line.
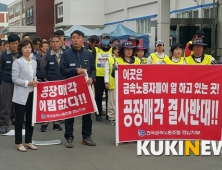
58	100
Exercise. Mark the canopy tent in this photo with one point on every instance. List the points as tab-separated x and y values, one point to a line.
87	32
123	33
116	31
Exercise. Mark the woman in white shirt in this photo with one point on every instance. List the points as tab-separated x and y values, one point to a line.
158	56
23	75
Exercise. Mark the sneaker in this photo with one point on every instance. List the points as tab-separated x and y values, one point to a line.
88	141
3	130
43	128
57	127
98	118
112	122
69	143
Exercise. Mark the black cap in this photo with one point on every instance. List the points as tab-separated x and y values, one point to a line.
200	33
197	41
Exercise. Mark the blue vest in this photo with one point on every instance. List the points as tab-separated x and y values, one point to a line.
53	68
6	66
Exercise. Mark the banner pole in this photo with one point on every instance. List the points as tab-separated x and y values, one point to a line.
116	108
34	104
92	95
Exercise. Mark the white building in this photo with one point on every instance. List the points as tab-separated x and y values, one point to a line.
135	14
88	13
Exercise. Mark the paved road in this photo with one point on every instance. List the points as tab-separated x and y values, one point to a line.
104	156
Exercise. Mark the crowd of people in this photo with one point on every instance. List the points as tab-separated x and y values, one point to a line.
24	63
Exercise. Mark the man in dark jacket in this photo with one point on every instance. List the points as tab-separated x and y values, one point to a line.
50	67
7	58
43	48
76	61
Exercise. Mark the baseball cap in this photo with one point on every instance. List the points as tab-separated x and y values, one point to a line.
159	42
200	33
105	35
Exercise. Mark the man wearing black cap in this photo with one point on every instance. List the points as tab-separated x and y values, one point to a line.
199	34
93	42
62	36
101	55
7	58
198	57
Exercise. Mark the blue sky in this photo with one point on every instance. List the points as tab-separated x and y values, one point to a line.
6	1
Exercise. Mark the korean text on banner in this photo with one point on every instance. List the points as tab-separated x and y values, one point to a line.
58	100
168	102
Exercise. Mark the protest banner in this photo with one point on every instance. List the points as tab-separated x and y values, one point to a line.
58	100
168	102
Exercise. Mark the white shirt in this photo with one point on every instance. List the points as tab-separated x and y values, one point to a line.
107	71
31	88
160	55
198	59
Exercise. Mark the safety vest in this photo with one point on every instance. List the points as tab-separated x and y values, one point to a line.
111	61
167	60
143	60
206	60
155	58
89	50
190	42
121	61
101	58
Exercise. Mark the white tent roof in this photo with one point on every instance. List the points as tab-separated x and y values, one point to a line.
86	31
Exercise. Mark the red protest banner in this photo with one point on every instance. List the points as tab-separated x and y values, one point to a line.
168	102
58	100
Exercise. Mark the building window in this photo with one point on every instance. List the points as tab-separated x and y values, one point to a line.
143	27
11	11
60	11
11	24
179	15
212	13
29	16
184	14
17	8
190	14
195	14
207	13
17	23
